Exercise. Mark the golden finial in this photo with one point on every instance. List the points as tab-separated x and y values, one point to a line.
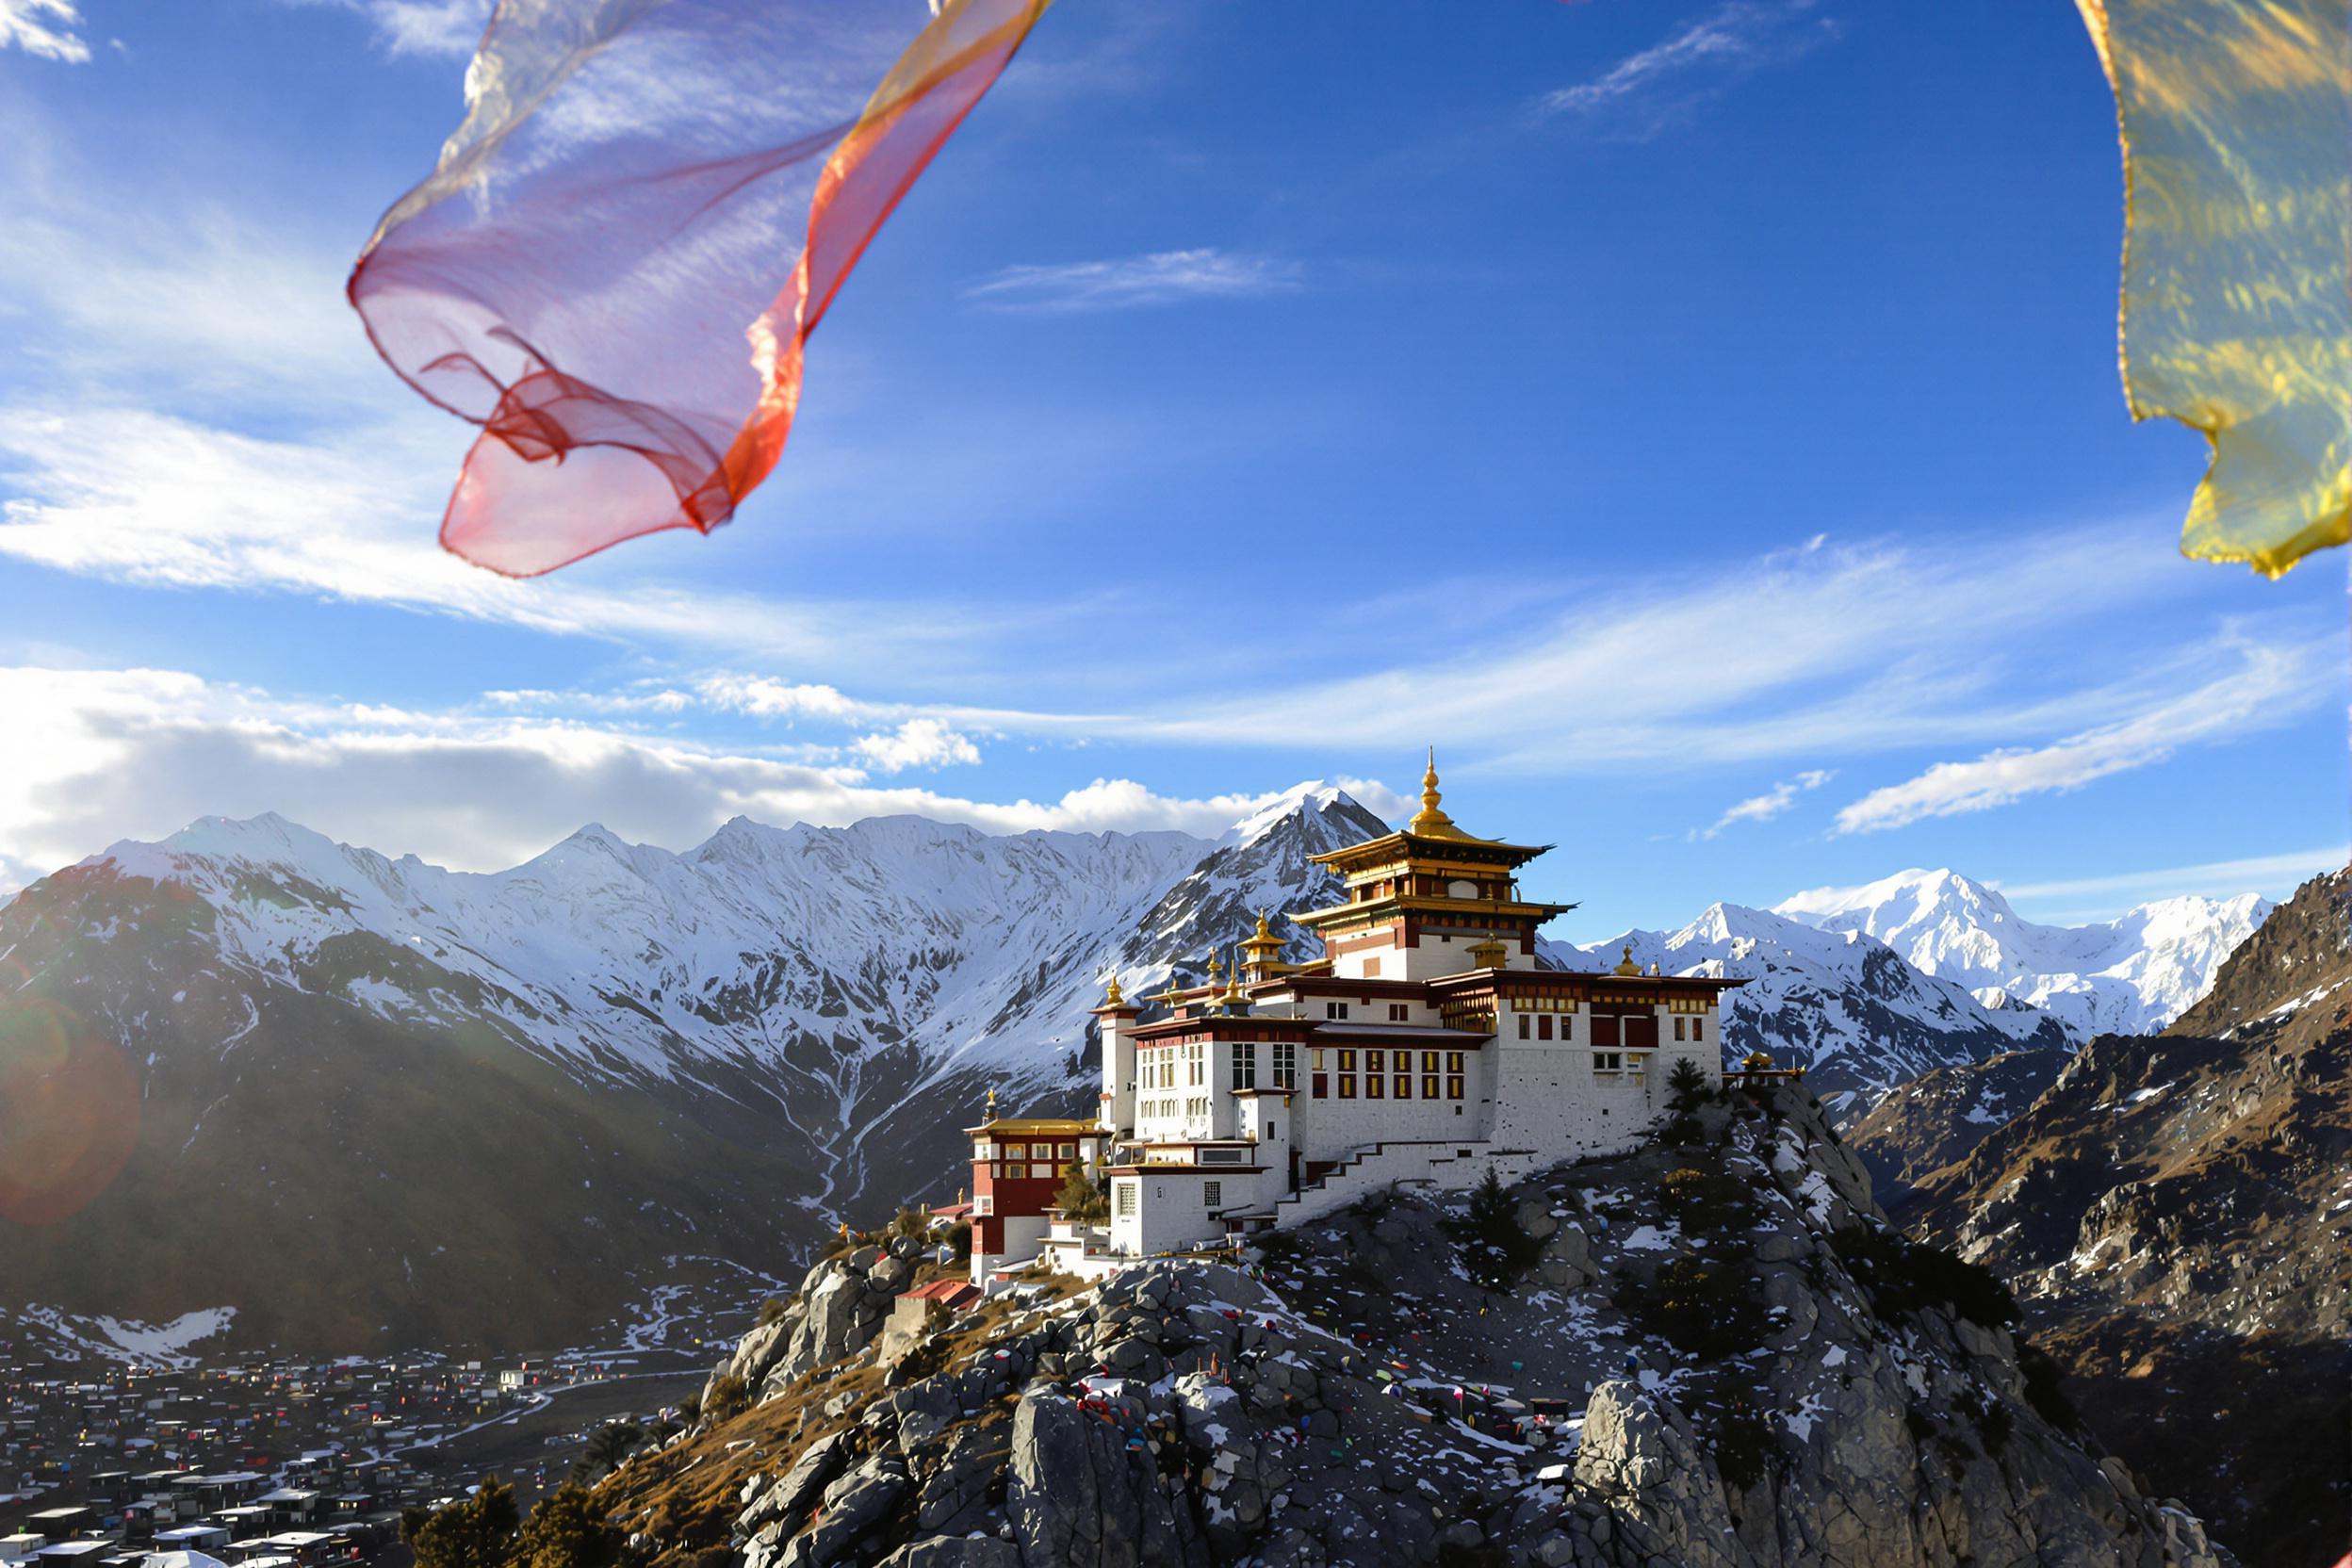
1233	997
1431	820
1264	934
991	1105
1115	998
1217	967
1173	996
1625	964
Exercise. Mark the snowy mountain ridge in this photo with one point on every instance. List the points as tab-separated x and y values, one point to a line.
2132	976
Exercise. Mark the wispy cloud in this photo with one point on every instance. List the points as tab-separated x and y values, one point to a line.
2214	878
442	29
46	28
1770	804
1642	92
2271	685
1163	277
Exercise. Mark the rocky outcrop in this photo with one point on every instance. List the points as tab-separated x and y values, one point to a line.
2173	1213
1718	1355
840	1309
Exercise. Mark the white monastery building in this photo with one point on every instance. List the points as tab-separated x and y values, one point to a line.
1425	1047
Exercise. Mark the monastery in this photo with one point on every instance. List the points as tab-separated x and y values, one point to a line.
1425	1047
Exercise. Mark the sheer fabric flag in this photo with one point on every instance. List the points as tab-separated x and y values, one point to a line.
615	267
2237	276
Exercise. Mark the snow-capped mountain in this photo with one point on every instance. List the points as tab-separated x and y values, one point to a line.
1841	1005
2127	976
330	1057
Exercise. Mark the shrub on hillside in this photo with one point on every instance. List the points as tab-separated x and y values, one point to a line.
1705	1308
959	1237
1082	1198
1743	1442
1704	1200
728	1398
1904	1276
473	1533
568	1530
773	1308
2045	1387
1495	1249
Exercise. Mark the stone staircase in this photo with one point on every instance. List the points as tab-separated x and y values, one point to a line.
1451	1164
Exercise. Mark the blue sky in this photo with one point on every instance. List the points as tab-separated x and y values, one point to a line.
1701	422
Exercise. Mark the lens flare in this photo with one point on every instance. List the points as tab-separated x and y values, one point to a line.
69	1113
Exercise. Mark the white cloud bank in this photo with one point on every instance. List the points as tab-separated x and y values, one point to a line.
140	753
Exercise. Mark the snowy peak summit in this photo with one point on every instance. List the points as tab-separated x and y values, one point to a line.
2130	975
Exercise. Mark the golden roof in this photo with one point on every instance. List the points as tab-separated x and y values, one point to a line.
1114	997
1038	1126
1265	940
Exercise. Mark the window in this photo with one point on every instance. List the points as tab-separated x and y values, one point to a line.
984	1204
1285	1065
1398	1012
1334	1009
983	1151
1069	1151
1544	1027
1220	1156
1322	1082
1372	1083
1608	1061
1525	1023
1429	1085
1680	1026
1428	1061
1697	1025
1245	1066
1453	1087
1314	1058
1195	1066
1123	1199
1404	1087
1567	1027
1211	1194
1347	1085
1453	1061
1043	1172
1347	1061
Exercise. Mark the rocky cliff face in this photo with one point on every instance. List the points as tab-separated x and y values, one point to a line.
2176	1213
1713	1353
1936	1118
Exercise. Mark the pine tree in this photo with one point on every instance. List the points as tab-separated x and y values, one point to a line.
1686	1086
568	1530
612	1442
1493	1247
476	1532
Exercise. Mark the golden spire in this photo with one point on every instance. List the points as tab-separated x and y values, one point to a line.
1431	820
1114	998
1216	968
1172	997
1232	998
1262	934
1625	964
991	1105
